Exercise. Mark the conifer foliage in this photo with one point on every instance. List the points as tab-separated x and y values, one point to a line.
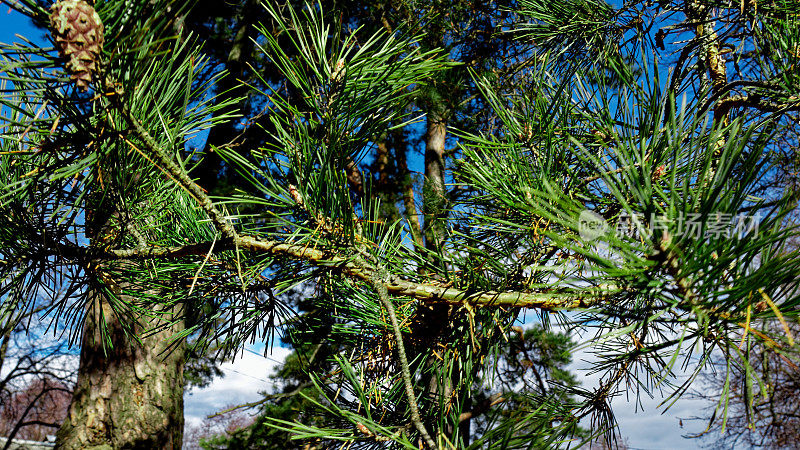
608	168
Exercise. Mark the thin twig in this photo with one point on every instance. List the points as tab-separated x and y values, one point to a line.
200	269
174	169
262	401
380	288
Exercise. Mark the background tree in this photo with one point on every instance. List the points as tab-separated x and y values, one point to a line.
762	413
99	191
36	382
531	367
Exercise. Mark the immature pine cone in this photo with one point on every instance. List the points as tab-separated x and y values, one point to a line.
78	32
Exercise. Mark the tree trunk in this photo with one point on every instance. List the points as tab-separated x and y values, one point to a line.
434	194
129	395
208	171
433	321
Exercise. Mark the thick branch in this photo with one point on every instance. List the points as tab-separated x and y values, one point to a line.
756	102
482	407
395	285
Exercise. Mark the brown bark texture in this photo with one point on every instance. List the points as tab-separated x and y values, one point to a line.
129	395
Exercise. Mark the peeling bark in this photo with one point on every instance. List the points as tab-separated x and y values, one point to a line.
129	396
710	54
433	321
716	72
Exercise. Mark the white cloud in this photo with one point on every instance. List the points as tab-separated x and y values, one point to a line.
244	378
647	428
643	423
644	426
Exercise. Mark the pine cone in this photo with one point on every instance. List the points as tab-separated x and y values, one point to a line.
78	32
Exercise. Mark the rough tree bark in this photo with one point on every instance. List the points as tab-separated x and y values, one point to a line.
435	196
129	395
433	321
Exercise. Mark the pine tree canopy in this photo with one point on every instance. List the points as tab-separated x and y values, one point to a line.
400	184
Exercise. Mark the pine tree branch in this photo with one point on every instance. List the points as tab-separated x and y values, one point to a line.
177	172
397	286
380	287
429	293
482	407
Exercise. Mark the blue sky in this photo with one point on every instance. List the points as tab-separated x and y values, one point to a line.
645	427
12	23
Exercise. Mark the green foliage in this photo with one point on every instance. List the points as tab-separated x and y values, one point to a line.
559	114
